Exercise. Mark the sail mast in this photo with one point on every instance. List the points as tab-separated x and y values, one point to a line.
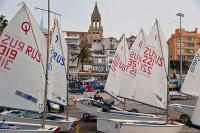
66	109
46	75
167	109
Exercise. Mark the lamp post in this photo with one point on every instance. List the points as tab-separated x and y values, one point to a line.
180	15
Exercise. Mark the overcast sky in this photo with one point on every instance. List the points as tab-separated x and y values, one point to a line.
118	16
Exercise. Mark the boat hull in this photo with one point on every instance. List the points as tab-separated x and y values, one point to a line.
62	123
128	116
93	110
130	126
169	128
17	127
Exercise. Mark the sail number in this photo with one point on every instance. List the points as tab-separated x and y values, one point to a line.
9	49
139	64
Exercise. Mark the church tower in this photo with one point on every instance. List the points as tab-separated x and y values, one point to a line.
96	30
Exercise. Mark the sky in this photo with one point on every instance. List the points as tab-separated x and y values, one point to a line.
118	16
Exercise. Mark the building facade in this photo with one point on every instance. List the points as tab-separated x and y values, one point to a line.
73	45
103	48
189	41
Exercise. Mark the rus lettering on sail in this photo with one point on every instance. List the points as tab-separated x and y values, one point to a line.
10	47
150	57
57	58
115	63
33	53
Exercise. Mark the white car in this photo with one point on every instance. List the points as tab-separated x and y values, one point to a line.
133	106
181	112
177	95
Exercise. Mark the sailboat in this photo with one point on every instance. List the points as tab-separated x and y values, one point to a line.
191	87
115	80
150	87
22	72
57	87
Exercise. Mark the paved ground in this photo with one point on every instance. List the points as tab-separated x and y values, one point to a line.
90	127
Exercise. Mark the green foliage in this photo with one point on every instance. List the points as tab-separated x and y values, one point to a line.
83	55
3	23
175	65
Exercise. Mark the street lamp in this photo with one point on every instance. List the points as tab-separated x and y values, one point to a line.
180	15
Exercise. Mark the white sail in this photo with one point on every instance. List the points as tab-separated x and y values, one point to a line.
128	83
151	84
57	88
191	83
22	63
195	116
119	63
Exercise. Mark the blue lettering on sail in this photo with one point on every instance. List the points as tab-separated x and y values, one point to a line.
57	38
26	96
57	58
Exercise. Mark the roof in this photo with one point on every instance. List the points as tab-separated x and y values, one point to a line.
96	15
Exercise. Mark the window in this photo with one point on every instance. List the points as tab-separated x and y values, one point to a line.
110	61
183	57
184	44
191	38
181	38
190	57
111	52
189	51
182	51
103	60
190	44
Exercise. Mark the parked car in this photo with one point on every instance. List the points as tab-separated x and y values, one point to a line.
181	112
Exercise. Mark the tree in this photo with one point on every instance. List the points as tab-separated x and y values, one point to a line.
175	65
83	55
186	66
3	23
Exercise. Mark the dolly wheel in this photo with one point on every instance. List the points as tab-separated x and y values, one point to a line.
86	116
134	110
184	118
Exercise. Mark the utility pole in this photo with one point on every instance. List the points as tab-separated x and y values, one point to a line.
181	70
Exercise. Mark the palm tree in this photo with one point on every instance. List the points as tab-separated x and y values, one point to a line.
3	23
83	55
